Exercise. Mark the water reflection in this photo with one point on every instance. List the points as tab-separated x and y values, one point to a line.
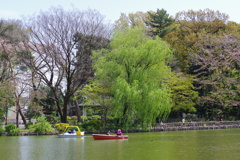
49	147
187	145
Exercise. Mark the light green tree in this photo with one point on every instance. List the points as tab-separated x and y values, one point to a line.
96	95
134	70
183	94
131	20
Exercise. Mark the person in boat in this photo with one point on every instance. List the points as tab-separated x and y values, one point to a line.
119	132
108	133
73	131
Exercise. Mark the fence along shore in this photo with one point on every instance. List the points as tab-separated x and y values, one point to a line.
195	126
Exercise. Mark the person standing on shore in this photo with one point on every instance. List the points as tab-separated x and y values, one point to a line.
183	120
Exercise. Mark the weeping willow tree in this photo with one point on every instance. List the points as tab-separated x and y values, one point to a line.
134	70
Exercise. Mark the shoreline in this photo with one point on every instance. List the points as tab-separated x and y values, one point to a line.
179	126
196	126
163	127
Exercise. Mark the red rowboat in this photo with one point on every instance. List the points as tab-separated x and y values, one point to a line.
102	137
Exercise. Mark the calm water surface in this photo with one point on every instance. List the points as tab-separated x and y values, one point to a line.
181	145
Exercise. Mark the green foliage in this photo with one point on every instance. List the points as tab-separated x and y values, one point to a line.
52	118
217	75
6	95
9	127
131	20
206	45
189	27
191	117
94	94
2	113
84	118
12	129
72	120
47	101
96	117
42	126
34	111
159	22
1	130
98	96
15	132
135	69
182	92
92	125
61	126
231	118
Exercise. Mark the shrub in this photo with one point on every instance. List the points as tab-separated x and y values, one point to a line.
9	127
42	126
92	125
61	126
52	119
84	118
12	129
34	111
15	132
72	120
96	117
1	130
231	118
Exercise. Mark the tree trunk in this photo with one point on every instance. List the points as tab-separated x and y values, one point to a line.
58	103
6	113
77	112
19	111
17	114
64	116
124	117
22	115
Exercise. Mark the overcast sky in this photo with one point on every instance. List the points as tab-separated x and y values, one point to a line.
15	9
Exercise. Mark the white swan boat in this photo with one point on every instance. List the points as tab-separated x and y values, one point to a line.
71	132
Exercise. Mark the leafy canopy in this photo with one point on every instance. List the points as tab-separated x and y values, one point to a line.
134	70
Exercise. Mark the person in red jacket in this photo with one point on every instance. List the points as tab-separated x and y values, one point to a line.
119	132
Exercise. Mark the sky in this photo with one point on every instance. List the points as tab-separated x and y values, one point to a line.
112	9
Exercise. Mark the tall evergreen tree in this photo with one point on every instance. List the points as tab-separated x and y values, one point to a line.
160	22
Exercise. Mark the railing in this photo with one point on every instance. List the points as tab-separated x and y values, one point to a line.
178	126
195	126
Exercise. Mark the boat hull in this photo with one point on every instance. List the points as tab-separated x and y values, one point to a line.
108	137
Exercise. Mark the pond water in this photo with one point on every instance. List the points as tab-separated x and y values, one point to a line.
181	145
